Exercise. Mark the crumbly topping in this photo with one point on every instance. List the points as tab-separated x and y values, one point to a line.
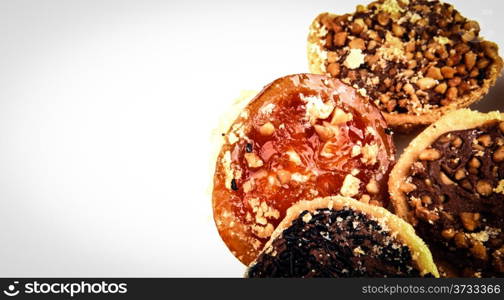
350	186
316	108
294	157
267	109
389	47
370	154
500	187
356	150
391	7
354	59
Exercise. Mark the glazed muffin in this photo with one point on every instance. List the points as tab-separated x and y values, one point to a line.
303	136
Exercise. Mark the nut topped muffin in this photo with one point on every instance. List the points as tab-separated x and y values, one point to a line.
449	183
416	59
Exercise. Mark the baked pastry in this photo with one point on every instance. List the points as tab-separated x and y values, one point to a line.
342	237
449	183
416	59
301	137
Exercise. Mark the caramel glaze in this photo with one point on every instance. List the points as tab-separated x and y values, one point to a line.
236	210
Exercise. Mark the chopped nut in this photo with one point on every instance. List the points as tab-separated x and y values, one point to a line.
248	186
407	187
445	179
340	38
484	187
455	81
354	59
474	163
452	93
461	240
412	64
473	171
470	60
357	26
408	88
460	174
426	214
474	73
333	69
267	129
448	72
332	57
457	142
350	186
498	155
253	160
479	251
426	200
340	117
357	43
441	88
397	30
468	36
372	44
383	18
307	217
482	63
490	50
470	220
429	154
371	59
434	73
284	176
501	127
448	233
461	69
294	157
426	83
372	187
485	140
370	154
462	48
466	184
472	25
325	133
498	260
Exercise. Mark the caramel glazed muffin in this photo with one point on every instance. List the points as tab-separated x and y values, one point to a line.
341	237
450	184
417	59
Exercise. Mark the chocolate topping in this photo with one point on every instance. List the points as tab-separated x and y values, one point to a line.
458	199
331	243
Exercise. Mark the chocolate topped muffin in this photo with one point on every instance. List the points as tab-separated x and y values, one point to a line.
342	237
450	184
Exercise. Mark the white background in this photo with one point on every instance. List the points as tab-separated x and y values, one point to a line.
107	116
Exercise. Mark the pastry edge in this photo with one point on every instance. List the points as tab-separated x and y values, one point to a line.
405	233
